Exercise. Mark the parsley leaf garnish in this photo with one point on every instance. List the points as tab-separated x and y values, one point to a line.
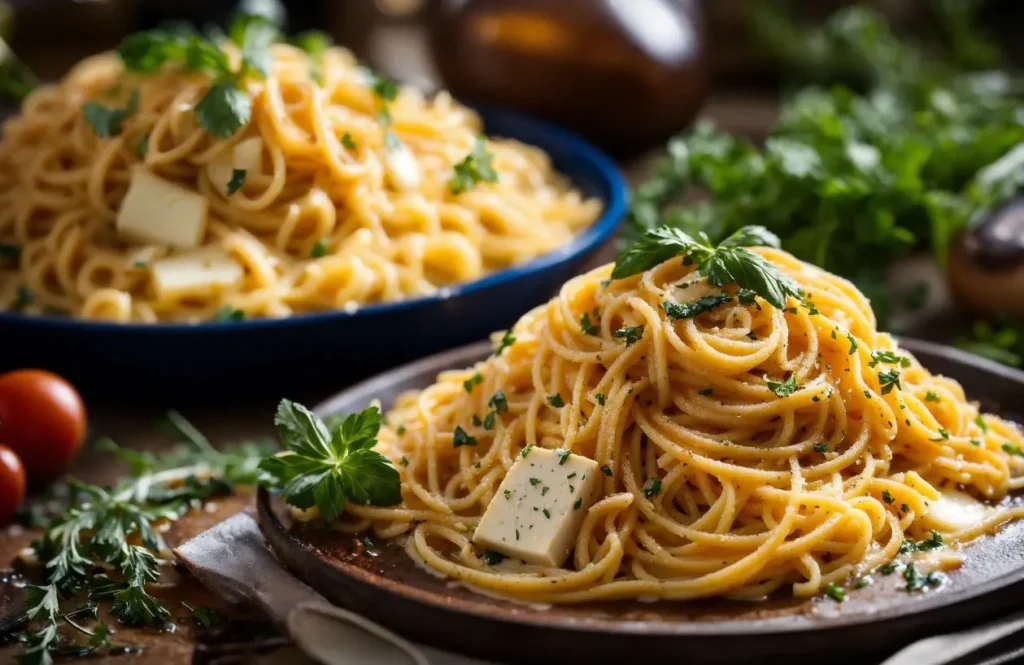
783	389
586	325
224	109
689	310
507	340
556	400
472	382
730	262
106	121
228	313
236	182
460	438
631	334
835	592
498	402
652	487
319	249
324	469
474	168
889	380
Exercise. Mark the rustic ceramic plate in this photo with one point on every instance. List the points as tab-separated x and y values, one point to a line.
384	585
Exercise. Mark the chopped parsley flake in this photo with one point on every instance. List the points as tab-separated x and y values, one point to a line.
472	382
319	249
835	592
931	397
563	455
980	422
474	168
676	311
526	450
706	391
600	397
853	343
887	497
507	340
586	325
783	389
606	470
535	481
579	502
492	558
821	447
631	334
1013	450
460	438
498	402
652	487
889	380
556	400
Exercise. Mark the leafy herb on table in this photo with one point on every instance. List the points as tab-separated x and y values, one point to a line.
474	168
730	262
106	121
1000	341
117	528
204	617
324	468
851	181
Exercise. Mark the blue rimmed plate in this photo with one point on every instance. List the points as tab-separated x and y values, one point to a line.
274	356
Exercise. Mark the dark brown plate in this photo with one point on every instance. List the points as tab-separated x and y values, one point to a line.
384	585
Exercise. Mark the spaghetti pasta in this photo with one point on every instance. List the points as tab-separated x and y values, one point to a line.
745	449
348	203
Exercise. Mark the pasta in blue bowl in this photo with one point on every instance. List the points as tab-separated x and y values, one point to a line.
169	230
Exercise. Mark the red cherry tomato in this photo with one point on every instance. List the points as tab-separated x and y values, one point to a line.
42	419
12	483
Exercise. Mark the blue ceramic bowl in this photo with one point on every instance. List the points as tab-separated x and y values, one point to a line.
279	356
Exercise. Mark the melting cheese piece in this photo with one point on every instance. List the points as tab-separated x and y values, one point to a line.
246	156
161	212
402	169
540	506
955	510
201	272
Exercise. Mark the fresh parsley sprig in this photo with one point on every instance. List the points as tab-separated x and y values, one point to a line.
106	121
226	107
116	528
325	469
730	262
474	168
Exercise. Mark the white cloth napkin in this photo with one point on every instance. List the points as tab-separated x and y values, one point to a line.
233	560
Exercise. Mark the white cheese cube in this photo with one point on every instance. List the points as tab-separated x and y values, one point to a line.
161	212
246	156
402	169
200	272
540	506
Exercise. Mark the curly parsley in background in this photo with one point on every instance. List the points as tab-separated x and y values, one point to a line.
851	181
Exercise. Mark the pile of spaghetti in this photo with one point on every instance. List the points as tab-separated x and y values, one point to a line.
745	447
362	191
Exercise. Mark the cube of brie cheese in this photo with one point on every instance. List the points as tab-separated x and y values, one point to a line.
539	507
161	212
200	272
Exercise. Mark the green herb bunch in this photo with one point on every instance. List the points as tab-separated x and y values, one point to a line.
112	530
848	180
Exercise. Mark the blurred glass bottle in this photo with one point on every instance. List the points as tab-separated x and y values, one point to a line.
626	73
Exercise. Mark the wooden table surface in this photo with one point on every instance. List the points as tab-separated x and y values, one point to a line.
135	427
